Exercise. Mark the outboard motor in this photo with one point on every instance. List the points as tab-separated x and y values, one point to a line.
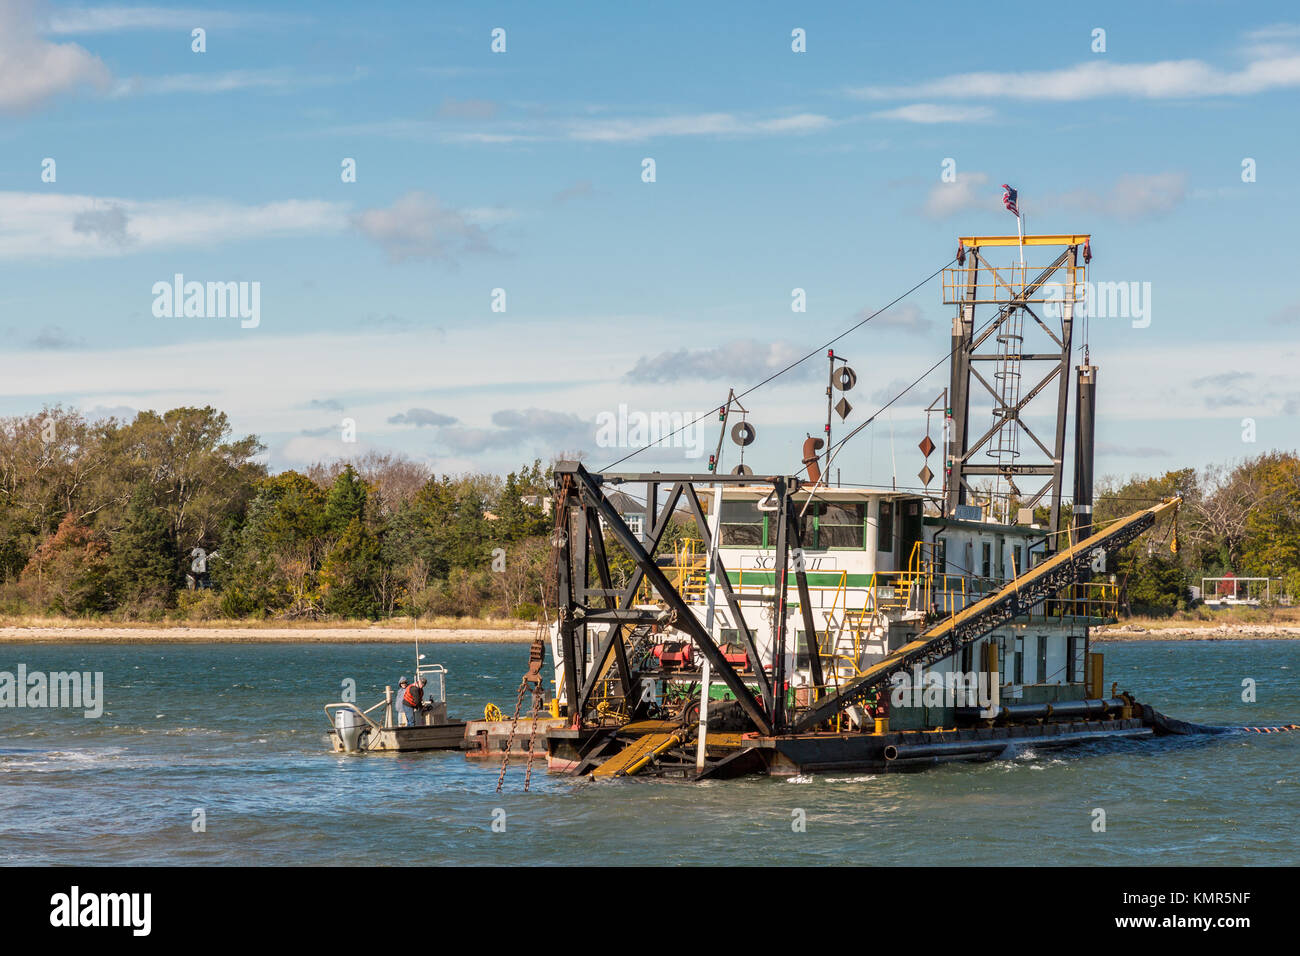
350	727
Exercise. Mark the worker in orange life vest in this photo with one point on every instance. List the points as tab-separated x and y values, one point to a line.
413	701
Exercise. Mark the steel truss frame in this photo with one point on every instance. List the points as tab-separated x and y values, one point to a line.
966	355
586	515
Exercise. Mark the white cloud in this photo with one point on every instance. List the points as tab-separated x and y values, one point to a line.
931	113
33	70
600	130
1133	196
274	79
418	226
743	361
279	386
421	417
697	124
45	225
906	318
114	19
544	430
968	192
1163	80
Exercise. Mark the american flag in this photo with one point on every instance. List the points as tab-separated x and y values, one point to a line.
1009	200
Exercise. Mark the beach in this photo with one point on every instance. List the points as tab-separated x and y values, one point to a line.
1196	632
491	632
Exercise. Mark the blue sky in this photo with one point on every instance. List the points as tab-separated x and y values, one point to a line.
522	170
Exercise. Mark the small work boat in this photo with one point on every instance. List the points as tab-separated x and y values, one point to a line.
353	730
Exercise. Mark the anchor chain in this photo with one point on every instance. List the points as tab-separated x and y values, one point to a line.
532	737
536	656
510	740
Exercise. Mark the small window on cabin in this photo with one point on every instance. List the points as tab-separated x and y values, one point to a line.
886	531
742	524
1018	555
941	557
1019	665
1042	659
986	560
841	526
802	652
1074	661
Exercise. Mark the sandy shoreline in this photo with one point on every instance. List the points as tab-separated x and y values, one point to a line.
64	634
1221	632
265	635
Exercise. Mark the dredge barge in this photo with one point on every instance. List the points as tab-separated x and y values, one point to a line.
819	628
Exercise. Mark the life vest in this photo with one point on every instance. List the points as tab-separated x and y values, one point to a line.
412	696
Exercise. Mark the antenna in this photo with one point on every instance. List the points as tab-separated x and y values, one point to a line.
893	460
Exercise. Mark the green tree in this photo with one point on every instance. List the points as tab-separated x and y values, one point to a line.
519	508
451	529
350	577
1272	542
346	501
272	562
194	471
143	567
1152	580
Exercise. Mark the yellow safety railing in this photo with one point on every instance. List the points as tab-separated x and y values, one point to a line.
1001	284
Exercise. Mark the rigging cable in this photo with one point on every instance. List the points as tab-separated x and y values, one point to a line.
797	362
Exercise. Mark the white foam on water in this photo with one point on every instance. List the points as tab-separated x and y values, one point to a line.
54	761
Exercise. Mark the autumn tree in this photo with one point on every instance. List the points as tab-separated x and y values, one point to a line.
67	572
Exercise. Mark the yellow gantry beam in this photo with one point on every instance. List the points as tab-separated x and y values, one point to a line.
1062	240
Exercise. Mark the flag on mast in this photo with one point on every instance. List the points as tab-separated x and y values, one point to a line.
1010	196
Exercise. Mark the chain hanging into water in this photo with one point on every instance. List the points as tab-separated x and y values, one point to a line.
537	651
532	737
510	740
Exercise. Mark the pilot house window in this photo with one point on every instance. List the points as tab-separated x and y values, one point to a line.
840	526
742	524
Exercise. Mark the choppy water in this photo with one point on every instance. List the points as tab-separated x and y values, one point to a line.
237	731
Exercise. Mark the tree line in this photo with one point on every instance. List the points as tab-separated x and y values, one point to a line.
1241	519
169	515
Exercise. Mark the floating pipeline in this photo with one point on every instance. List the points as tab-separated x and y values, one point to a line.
1161	724
1169	726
